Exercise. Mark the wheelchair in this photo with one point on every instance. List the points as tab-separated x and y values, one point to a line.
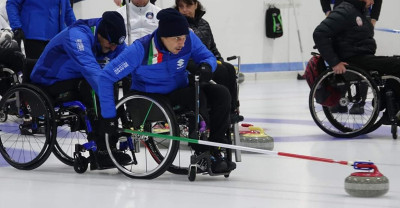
33	125
37	125
154	154
334	95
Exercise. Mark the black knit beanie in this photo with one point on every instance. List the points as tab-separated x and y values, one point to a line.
172	23
112	27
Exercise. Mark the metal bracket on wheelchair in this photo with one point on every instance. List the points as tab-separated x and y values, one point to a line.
87	146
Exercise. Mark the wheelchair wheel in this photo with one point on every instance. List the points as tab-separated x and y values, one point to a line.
151	156
333	97
70	131
27	136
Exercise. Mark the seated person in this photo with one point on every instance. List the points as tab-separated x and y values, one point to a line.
10	57
69	63
346	36
157	64
225	74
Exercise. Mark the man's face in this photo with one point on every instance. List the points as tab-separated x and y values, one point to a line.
174	44
368	3
106	46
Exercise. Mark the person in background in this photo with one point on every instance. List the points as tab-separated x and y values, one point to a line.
142	20
346	37
10	54
225	73
70	65
37	22
173	44
123	2
374	11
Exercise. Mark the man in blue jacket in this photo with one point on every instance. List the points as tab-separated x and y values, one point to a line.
157	64
70	63
37	22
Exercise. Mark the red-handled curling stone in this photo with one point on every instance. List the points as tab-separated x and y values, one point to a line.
366	184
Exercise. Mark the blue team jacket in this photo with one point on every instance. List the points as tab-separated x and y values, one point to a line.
40	19
73	53
153	68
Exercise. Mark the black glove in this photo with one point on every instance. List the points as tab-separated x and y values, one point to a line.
19	35
110	125
205	72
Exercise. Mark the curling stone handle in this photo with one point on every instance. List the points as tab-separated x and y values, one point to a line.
256	128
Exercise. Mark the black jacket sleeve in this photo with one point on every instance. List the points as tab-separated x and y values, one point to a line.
325	32
376	9
326	5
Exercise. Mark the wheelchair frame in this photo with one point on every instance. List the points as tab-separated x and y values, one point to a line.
379	103
53	117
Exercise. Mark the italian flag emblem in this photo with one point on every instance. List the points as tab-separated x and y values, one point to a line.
155	56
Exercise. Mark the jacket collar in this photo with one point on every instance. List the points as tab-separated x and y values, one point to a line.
197	17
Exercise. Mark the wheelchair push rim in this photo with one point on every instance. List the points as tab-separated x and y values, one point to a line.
153	155
340	122
27	136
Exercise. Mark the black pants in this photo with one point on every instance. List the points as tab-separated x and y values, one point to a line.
13	59
214	106
34	48
389	65
225	74
82	91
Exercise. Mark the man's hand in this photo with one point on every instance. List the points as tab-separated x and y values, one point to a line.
19	35
340	68
205	72
373	21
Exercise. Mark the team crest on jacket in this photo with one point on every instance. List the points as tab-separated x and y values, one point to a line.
180	63
149	15
359	21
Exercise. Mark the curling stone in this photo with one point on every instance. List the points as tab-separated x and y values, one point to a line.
254	137
367	184
240	77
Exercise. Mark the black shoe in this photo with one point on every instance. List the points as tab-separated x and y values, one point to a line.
121	157
338	109
218	163
236	118
231	165
357	109
104	160
300	77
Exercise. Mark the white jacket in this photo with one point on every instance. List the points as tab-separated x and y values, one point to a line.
143	20
3	15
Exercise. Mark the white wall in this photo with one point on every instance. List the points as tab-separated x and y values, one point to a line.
238	27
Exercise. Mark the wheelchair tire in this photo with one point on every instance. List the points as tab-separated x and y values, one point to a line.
154	155
28	135
343	124
64	146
